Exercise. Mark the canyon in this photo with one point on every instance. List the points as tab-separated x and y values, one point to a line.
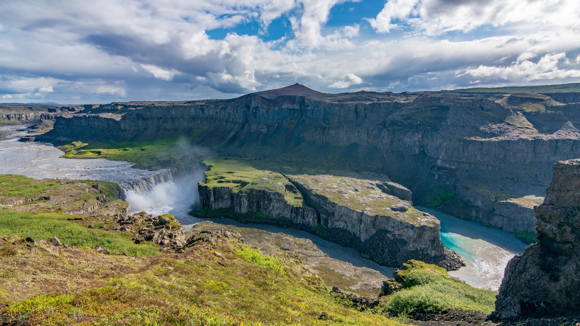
480	157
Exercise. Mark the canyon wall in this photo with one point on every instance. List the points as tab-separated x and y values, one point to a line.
431	143
545	279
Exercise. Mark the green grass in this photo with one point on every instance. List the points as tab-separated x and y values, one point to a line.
46	225
429	289
243	179
443	197
199	291
526	237
149	155
273	264
112	190
17	185
532	107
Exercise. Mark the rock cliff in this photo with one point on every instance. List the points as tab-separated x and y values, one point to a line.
545	279
431	143
351	212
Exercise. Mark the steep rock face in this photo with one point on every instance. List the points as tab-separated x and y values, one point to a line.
348	211
428	142
389	229
271	204
545	279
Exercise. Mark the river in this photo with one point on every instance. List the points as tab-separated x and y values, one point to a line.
486	251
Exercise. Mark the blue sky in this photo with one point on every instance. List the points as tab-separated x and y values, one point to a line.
68	51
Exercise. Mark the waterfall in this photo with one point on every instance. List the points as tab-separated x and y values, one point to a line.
145	183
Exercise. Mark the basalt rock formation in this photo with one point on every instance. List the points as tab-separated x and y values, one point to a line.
475	156
352	212
545	279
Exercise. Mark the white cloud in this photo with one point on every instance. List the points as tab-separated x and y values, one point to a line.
110	90
146	49
347	81
523	69
160	73
394	9
46	89
441	16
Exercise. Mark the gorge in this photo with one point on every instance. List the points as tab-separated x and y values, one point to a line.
371	172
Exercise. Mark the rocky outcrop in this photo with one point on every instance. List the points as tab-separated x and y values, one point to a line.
383	227
351	212
545	279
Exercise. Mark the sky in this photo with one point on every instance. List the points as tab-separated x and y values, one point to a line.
101	51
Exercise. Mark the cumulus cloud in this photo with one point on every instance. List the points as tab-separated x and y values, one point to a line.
159	72
441	16
523	69
65	51
347	81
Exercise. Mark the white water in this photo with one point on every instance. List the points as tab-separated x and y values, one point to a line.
486	251
173	197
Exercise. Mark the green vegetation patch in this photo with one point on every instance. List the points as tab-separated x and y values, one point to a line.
532	107
40	225
243	179
201	289
111	190
17	185
425	288
441	199
526	237
149	155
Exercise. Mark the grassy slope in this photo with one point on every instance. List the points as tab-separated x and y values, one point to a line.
565	88
50	222
40	225
242	287
428	288
18	185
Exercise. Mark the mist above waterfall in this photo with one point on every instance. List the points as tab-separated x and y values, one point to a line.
175	196
172	197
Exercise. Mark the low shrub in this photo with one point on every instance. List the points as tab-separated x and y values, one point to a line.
429	289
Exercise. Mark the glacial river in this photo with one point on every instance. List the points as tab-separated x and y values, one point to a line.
486	251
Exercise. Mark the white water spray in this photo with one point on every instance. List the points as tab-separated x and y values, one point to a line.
172	197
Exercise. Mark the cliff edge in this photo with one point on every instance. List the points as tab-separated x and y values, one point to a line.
545	279
362	214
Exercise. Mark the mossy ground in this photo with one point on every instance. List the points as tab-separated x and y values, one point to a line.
357	194
243	178
426	288
17	185
216	282
43	225
148	155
